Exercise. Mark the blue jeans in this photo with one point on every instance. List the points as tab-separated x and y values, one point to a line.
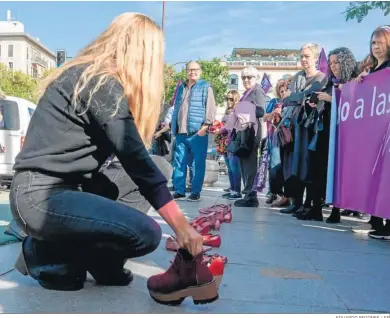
186	147
85	221
234	171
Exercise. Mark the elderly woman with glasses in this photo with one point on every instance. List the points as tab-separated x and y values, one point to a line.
255	95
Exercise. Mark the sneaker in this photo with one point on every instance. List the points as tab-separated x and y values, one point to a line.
362	229
380	235
194	197
226	195
227	190
234	196
188	189
188	276
178	197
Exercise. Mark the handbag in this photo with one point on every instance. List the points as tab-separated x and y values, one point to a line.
284	135
242	142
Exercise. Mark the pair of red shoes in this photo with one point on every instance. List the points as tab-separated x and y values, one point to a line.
211	218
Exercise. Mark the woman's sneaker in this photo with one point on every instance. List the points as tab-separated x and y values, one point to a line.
234	196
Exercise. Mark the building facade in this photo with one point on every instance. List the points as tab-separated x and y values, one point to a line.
276	63
20	51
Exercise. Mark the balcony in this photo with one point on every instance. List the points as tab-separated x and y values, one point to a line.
36	59
264	63
233	86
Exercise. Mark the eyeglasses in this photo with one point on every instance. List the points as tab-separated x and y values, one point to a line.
246	78
193	70
228	99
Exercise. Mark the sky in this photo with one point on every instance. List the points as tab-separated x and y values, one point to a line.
202	30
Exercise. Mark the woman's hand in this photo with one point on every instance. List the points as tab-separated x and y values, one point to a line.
186	235
324	96
361	77
189	239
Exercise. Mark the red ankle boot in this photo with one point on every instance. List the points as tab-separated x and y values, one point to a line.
188	276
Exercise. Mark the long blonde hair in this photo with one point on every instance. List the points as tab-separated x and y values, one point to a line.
131	50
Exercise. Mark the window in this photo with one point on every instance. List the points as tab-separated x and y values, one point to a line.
27	53
11	65
10	50
31	111
34	72
233	79
9	115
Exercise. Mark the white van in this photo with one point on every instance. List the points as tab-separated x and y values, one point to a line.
15	115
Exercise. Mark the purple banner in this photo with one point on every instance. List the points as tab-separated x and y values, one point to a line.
266	83
323	62
362	166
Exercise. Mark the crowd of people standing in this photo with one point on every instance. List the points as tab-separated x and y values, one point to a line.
296	145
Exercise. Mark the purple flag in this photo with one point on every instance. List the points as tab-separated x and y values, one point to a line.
323	62
266	83
362	157
175	93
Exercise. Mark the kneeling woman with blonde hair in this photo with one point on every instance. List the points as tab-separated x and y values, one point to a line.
105	101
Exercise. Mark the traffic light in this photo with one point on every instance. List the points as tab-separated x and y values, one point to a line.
60	57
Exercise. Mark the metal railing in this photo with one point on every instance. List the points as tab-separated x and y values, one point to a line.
263	63
39	60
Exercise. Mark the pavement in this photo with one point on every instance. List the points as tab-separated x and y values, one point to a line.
276	264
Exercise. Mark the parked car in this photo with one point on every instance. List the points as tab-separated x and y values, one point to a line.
15	115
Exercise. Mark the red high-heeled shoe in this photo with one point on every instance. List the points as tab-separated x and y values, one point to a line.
221	216
208	258
224	207
212	240
217	268
206	225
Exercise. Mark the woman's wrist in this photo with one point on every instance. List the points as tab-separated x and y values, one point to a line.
172	214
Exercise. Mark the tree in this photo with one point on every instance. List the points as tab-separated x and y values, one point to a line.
212	71
18	84
171	76
359	9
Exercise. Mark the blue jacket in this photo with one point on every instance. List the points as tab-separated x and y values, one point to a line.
196	107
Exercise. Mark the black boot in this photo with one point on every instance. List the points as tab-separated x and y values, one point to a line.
334	216
50	265
293	208
314	214
302	210
106	264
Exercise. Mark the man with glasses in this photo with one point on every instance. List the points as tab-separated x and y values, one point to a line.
194	111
